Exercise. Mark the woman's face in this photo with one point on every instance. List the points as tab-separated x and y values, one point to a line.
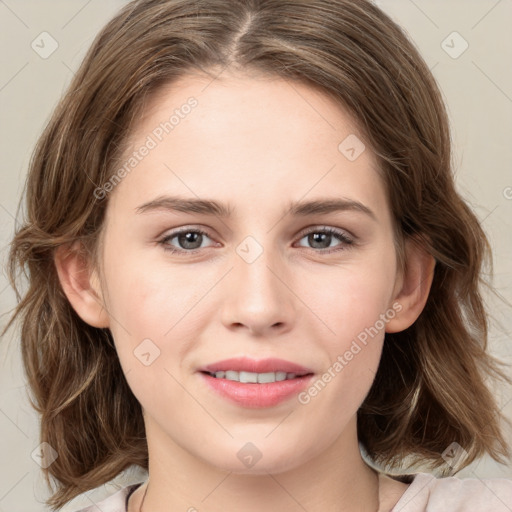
258	276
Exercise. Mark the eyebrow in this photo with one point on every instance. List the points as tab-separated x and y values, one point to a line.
215	208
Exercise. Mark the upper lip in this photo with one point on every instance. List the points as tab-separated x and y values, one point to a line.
246	364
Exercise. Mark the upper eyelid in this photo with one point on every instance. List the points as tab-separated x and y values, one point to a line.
320	227
186	229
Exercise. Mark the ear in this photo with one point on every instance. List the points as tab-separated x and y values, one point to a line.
412	286
81	284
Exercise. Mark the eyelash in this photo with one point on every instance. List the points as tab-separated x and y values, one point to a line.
342	237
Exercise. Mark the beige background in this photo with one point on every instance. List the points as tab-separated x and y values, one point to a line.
477	86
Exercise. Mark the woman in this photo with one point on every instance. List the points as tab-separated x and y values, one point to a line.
250	271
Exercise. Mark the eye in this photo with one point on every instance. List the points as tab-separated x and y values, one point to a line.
323	238
188	240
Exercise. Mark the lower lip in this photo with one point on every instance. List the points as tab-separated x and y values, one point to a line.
257	395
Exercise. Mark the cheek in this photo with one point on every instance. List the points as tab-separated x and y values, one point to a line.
158	315
355	305
354	347
150	297
146	302
351	300
153	328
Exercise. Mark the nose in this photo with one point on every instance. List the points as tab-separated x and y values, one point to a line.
258	297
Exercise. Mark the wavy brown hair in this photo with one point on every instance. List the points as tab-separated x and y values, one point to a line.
431	386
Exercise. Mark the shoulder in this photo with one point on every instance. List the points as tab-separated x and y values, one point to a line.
115	502
427	493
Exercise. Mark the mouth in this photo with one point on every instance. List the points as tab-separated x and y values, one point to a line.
255	378
256	383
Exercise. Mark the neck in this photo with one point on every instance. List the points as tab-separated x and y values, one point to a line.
337	479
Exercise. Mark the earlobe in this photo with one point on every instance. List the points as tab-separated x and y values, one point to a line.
80	284
414	287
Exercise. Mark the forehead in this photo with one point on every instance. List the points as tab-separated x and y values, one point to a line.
241	136
237	105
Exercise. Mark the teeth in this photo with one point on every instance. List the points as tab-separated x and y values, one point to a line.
248	377
253	378
265	378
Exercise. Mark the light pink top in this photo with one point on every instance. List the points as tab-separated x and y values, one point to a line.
425	494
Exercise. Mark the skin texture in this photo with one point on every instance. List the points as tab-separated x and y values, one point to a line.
254	143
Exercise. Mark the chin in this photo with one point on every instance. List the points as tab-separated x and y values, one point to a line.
251	460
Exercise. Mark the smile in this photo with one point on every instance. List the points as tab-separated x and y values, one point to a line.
253	378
